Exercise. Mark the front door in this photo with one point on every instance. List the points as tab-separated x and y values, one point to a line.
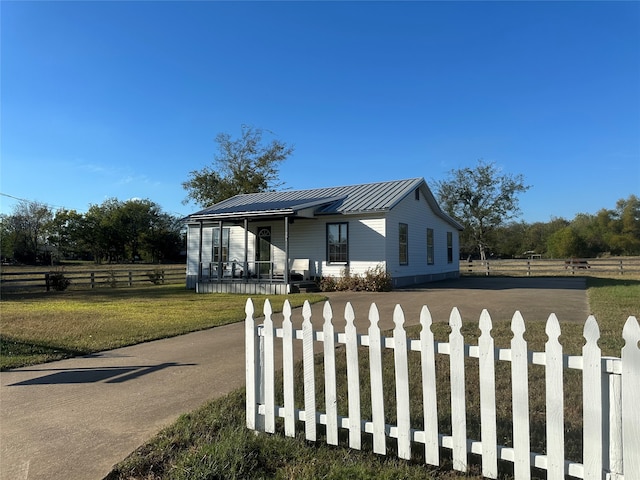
263	251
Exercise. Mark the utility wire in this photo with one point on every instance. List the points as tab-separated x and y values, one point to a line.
55	207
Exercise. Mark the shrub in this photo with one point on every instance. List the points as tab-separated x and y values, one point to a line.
377	280
374	280
112	279
328	284
156	276
58	281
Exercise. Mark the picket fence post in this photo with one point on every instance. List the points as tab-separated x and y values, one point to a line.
595	449
429	394
520	399
554	386
458	402
309	374
269	370
488	422
400	355
331	397
353	378
287	372
375	373
631	398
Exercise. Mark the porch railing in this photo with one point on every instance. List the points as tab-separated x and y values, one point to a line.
254	271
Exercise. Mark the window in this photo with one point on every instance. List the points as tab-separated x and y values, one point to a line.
430	248
216	245
403	242
449	247
337	242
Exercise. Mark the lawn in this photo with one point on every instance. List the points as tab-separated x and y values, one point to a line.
213	442
46	326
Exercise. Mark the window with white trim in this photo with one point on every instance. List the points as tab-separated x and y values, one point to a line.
337	242
403	242
430	247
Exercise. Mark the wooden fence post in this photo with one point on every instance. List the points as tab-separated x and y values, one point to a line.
130	278
47	281
93	280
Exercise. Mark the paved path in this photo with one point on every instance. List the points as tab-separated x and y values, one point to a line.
74	419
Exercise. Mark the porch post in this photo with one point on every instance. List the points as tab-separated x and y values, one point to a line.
246	250
200	253
220	252
286	252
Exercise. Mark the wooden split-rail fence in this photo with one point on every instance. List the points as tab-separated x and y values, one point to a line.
610	392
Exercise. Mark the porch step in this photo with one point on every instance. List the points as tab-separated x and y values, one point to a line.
305	287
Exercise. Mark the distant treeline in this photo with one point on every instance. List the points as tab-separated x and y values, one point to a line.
608	232
115	231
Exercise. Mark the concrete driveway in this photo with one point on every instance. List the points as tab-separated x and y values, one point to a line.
74	419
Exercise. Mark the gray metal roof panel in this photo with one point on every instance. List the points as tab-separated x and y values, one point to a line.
350	199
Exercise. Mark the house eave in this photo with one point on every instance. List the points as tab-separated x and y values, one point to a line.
242	215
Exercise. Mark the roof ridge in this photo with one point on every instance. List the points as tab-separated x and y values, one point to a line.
334	187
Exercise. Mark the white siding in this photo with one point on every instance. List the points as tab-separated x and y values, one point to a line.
417	214
308	239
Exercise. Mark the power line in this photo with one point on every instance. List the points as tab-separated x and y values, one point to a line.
55	207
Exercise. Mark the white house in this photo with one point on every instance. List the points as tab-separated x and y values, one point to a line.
265	242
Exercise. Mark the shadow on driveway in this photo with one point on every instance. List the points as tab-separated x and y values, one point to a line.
505	283
95	375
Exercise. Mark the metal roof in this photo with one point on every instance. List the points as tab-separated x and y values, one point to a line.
351	199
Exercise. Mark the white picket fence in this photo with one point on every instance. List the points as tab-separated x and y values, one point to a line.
611	392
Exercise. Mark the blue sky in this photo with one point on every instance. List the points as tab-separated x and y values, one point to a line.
124	99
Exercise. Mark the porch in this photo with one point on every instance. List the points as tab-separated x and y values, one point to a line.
257	277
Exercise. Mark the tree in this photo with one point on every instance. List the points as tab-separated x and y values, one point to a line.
64	234
245	165
130	231
481	199
27	228
566	243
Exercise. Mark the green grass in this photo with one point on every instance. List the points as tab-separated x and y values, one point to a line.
213	442
46	326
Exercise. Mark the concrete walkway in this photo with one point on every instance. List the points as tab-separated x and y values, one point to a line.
74	419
